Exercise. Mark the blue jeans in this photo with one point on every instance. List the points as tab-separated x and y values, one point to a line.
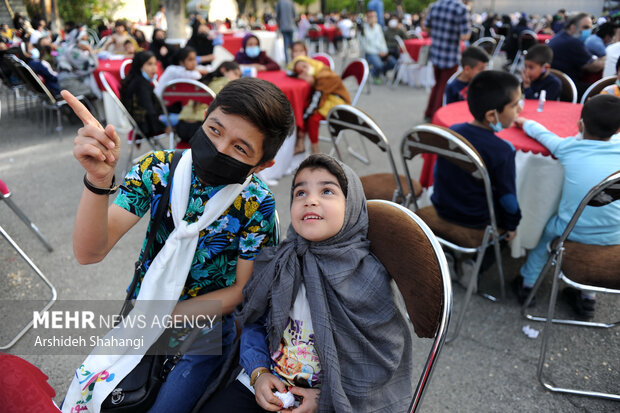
190	377
379	66
288	43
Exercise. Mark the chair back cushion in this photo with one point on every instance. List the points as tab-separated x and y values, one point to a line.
567	90
592	264
383	186
184	91
356	69
413	265
323	59
458	234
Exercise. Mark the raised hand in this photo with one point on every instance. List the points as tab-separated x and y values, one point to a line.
97	149
264	392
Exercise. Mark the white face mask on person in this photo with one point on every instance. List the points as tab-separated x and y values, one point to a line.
35	54
393	24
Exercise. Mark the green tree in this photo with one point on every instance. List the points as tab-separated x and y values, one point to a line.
86	11
409	6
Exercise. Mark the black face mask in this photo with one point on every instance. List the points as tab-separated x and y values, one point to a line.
213	167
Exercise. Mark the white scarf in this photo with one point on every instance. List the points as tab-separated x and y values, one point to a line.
160	290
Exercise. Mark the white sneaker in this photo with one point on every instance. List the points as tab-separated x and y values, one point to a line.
467	269
452	266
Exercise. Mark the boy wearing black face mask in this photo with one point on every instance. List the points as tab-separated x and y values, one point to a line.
244	128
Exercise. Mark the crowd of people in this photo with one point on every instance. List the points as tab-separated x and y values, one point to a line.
314	316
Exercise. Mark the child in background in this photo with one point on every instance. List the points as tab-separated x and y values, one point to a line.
614	90
298	49
473	61
494	99
252	55
220	77
138	97
185	67
329	91
536	75
320	317
586	162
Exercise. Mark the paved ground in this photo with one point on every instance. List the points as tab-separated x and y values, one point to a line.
491	366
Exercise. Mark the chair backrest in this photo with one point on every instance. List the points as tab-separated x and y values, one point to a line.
314	32
401	45
450	79
527	39
451	146
487	43
413	33
569	90
358	68
325	59
347	117
31	79
125	68
101	42
93	37
424	55
419	268
596	87
184	90
112	86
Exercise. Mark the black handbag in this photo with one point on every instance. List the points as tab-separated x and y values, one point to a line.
137	392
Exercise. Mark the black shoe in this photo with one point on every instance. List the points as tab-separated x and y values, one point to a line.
583	306
522	292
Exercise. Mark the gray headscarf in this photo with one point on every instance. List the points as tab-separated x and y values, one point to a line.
362	336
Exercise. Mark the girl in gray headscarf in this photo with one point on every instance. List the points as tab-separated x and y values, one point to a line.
322	319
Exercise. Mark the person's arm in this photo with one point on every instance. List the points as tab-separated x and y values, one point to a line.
254	350
554	89
503	177
537	131
97	226
268	62
595	65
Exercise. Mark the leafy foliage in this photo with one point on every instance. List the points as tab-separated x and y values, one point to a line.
86	11
409	6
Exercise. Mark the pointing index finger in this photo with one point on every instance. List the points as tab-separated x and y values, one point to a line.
80	110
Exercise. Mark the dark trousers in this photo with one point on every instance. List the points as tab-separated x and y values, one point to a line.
436	97
234	398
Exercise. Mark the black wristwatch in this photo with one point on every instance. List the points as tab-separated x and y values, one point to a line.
101	191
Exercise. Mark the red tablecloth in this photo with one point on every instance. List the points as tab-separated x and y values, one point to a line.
114	67
544	38
296	90
232	43
271	27
414	45
559	117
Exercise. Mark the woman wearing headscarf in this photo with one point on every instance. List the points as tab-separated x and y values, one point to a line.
202	43
252	55
138	97
159	48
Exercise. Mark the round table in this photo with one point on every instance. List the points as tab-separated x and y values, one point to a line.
113	66
298	93
544	38
539	177
414	45
296	90
233	42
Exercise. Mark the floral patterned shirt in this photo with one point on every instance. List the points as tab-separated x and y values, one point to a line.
240	232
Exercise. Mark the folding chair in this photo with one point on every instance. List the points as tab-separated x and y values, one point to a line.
112	86
585	267
184	90
489	44
596	87
419	268
48	101
450	79
405	66
315	38
456	149
358	69
325	59
5	193
13	89
125	67
387	186
569	90
526	39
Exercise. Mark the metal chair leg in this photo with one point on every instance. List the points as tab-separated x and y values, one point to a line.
27	221
40	274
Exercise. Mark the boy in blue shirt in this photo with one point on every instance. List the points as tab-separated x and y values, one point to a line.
536	76
473	61
494	99
586	162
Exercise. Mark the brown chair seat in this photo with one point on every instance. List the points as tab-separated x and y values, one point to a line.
597	265
383	185
460	235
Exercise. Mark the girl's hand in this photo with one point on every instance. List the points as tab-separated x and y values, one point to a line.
96	148
310	403
265	398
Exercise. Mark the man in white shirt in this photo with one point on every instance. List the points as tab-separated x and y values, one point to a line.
375	48
613	52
